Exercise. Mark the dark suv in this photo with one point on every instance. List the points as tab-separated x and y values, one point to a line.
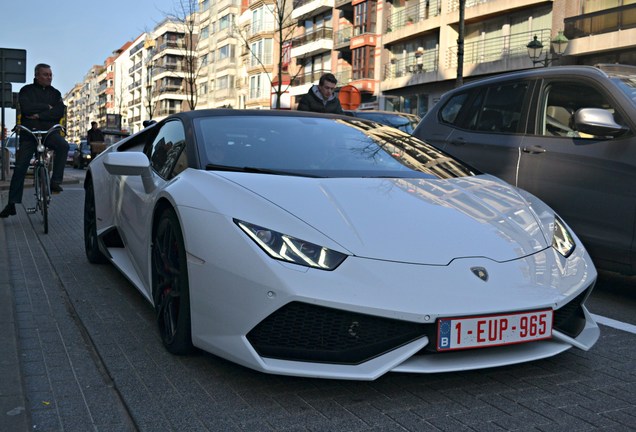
565	134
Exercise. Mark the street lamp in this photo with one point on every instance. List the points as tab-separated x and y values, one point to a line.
535	48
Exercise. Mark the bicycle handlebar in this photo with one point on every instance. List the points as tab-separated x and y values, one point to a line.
40	132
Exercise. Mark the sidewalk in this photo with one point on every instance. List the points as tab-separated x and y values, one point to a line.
13	413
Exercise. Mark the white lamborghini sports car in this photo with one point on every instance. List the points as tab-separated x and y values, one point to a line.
329	246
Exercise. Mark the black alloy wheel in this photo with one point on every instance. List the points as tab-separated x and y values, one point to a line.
170	284
91	244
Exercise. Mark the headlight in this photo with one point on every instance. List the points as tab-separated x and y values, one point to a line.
286	248
561	239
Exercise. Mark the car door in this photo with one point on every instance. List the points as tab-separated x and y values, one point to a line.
590	181
488	132
166	156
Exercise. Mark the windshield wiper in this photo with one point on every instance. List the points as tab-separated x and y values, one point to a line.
247	169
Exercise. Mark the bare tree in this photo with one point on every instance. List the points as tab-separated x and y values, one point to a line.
284	27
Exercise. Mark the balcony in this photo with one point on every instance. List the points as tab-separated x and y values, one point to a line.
260	27
342	37
413	14
500	48
600	22
221	94
343	77
134	68
411	63
170	67
308	8
308	78
162	112
178	45
313	42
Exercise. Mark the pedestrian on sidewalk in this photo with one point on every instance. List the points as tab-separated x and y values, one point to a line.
321	98
41	107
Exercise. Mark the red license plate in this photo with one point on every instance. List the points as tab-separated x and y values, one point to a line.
493	330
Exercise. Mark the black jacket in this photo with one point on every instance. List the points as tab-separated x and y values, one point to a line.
94	135
35	99
311	102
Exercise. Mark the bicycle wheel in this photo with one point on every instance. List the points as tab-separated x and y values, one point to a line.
43	183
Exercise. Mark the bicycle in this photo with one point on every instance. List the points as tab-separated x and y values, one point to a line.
41	180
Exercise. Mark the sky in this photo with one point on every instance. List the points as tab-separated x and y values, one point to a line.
73	35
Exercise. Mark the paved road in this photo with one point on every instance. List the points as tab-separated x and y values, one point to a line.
91	360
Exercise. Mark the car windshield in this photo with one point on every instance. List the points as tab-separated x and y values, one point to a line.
627	84
319	147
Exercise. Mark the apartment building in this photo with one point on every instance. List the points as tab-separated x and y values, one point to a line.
131	79
82	103
167	69
599	31
217	50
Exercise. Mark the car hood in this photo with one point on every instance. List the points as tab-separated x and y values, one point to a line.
419	221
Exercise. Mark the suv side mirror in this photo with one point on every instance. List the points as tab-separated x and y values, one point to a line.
597	122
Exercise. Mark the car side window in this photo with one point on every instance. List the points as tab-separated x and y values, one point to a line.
561	100
501	108
449	113
167	157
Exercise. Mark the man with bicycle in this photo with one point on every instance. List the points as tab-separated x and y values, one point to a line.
41	108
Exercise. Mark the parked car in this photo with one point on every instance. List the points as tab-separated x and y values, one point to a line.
566	134
72	147
403	121
11	146
304	244
82	156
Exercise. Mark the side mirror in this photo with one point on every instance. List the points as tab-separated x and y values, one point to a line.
597	122
130	164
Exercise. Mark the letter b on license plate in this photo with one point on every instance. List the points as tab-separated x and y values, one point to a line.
493	330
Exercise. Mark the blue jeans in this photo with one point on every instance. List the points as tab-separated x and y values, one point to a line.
23	157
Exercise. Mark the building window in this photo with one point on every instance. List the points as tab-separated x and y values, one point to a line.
263	19
225	21
226	51
205	32
363	63
364	17
204	60
261	52
255	87
225	82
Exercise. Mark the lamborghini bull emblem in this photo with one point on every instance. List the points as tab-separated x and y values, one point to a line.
480	272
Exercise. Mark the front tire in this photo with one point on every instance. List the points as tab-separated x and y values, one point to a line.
170	285
91	242
44	197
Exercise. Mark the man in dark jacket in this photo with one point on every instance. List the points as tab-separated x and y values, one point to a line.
95	137
321	98
41	107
